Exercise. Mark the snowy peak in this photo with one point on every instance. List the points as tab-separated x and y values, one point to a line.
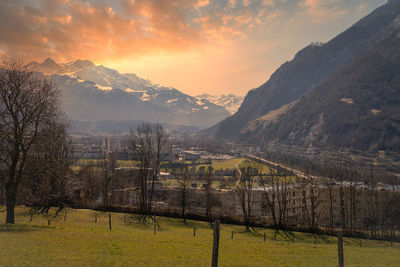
84	70
230	102
49	62
77	65
107	79
92	92
49	66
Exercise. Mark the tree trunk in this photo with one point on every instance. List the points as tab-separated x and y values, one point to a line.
11	201
183	204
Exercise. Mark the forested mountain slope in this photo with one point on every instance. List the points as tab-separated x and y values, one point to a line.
358	107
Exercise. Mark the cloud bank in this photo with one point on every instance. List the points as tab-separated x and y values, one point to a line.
70	29
195	45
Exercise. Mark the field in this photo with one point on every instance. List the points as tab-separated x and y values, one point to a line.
216	164
81	242
224	164
232	163
77	166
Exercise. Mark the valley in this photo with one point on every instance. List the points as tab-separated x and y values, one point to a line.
272	152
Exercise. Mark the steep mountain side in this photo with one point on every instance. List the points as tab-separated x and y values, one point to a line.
267	119
358	107
310	67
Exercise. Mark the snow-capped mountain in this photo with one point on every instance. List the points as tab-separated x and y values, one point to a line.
230	102
94	93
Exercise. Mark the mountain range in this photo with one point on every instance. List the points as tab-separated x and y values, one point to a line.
97	93
343	94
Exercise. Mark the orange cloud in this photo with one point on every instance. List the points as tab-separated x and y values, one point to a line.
323	10
71	29
202	3
68	30
194	44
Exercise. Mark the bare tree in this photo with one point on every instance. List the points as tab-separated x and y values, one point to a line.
184	178
28	102
43	184
352	201
374	214
339	172
244	193
391	212
149	146
208	177
276	193
310	198
329	185
92	188
107	166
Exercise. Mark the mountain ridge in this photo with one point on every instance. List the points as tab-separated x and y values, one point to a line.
95	93
356	108
309	67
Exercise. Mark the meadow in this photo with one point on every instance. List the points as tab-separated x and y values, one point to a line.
80	241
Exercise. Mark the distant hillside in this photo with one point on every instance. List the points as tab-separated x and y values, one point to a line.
122	127
358	107
94	93
309	68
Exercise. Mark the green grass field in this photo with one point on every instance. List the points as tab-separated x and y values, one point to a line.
231	164
216	164
78	164
221	164
81	242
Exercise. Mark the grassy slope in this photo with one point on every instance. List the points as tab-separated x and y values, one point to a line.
81	242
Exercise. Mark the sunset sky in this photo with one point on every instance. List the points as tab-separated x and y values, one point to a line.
196	46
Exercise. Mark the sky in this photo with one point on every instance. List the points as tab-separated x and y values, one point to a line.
196	46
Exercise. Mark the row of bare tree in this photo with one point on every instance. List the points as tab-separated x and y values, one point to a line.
380	217
364	208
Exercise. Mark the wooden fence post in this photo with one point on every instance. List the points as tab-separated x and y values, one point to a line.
109	220
48	222
155	229
340	249
214	262
265	237
194	231
95	217
232	235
